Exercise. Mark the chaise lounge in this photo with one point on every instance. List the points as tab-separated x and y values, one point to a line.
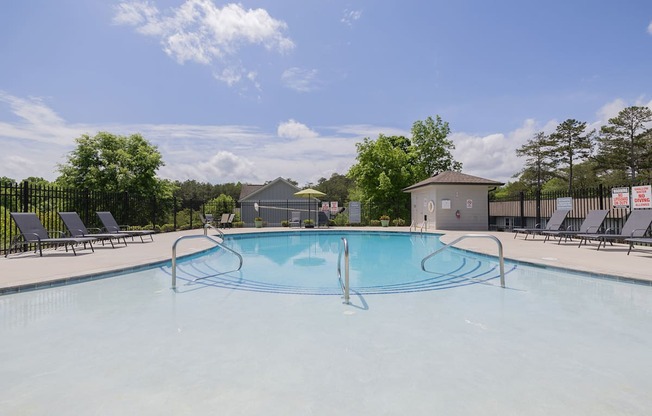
111	226
76	228
32	231
554	223
591	224
636	226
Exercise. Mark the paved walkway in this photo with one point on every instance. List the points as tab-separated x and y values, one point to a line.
25	271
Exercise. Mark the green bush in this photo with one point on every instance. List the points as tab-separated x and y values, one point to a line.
166	228
238	224
398	222
374	223
285	223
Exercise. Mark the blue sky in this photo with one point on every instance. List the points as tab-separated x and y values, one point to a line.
255	90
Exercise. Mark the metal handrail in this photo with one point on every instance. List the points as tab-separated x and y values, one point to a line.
344	286
415	225
208	225
465	236
187	237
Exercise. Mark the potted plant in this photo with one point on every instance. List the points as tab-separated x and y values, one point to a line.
308	223
384	220
258	222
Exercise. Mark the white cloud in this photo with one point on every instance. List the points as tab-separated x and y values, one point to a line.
302	80
493	156
351	16
231	153
201	32
294	130
649	28
610	110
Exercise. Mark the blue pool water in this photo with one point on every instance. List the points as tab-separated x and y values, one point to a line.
453	342
306	262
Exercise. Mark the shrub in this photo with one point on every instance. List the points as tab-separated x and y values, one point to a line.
238	224
285	223
398	222
374	223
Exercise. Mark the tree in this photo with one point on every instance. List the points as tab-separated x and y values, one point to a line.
539	167
570	144
111	163
383	170
389	164
432	148
336	188
625	144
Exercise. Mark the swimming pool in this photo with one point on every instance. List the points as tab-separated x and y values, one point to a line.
550	343
380	263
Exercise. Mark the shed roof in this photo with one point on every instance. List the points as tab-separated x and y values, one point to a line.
453	178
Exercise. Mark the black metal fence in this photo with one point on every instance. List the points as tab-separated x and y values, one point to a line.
135	210
145	212
527	209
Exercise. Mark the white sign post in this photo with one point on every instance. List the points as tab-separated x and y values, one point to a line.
620	197
565	203
642	196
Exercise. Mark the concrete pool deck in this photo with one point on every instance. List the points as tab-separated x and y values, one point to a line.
25	271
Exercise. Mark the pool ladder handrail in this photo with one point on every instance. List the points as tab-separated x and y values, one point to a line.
415	225
465	236
208	225
344	285
187	237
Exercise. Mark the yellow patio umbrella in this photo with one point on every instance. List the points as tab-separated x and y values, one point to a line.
309	193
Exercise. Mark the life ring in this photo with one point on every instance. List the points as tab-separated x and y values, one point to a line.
431	206
457	214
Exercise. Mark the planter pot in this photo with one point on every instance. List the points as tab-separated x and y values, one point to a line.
309	225
384	223
258	224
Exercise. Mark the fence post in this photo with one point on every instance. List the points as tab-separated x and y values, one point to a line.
600	196
538	202
521	207
25	197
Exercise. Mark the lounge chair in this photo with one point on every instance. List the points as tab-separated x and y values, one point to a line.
639	240
111	226
76	228
230	221
296	219
32	231
554	223
224	221
322	219
636	225
591	224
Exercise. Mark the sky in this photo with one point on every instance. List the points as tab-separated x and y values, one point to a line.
251	91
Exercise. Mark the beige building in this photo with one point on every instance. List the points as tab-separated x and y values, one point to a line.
452	201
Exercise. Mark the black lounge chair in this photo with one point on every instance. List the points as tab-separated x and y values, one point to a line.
636	226
322	219
76	228
591	224
640	240
32	231
554	223
111	226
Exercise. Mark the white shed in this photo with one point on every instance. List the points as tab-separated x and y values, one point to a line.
452	201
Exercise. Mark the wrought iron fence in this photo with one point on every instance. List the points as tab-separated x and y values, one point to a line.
144	212
527	209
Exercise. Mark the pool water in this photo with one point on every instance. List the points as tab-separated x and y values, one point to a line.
550	343
380	263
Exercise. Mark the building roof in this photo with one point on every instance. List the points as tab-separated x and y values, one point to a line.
453	178
248	191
